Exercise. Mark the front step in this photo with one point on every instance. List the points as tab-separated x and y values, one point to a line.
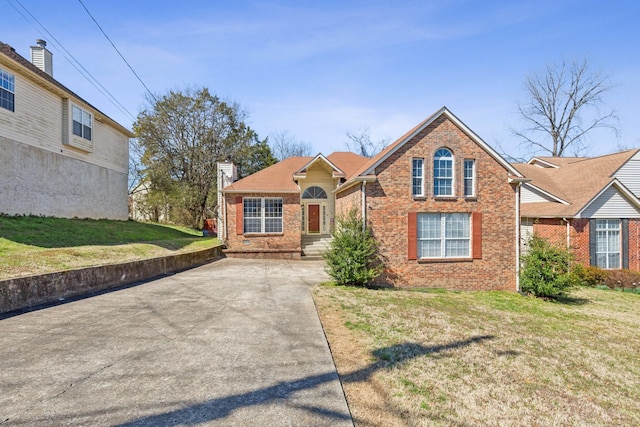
313	246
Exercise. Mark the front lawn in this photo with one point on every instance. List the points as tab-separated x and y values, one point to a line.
485	358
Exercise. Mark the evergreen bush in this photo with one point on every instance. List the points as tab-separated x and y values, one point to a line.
546	269
353	257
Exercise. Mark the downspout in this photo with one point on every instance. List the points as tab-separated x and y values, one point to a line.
364	205
225	230
518	236
568	221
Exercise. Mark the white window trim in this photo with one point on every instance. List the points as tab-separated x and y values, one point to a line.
11	78
443	239
608	250
90	126
453	175
421	177
263	216
473	178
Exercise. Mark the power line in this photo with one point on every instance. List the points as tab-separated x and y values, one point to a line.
116	49
73	61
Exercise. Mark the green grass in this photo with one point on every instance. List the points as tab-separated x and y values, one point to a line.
495	358
36	245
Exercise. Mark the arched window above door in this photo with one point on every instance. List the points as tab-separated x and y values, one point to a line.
314	193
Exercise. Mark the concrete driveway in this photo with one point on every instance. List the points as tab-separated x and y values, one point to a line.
234	342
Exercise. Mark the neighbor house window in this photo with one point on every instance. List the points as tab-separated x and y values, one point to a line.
443	173
444	235
7	91
262	215
608	243
469	177
81	123
417	177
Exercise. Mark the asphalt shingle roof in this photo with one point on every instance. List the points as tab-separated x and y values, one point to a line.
575	180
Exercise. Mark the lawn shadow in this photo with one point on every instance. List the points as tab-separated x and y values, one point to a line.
283	392
389	357
569	300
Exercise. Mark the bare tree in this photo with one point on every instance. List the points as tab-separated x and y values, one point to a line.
565	104
284	145
362	144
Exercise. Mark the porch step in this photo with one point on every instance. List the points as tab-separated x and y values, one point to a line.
315	245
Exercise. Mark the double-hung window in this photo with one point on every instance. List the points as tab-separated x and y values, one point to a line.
7	90
262	215
608	243
82	125
443	173
444	235
417	177
469	178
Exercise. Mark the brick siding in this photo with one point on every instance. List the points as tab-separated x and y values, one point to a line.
273	245
389	202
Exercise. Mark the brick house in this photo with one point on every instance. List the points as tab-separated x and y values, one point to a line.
589	205
442	204
60	155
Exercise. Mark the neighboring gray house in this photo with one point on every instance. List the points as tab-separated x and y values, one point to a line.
60	155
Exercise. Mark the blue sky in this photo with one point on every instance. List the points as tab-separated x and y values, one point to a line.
320	69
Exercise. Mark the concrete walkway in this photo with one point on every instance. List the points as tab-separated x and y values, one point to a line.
234	342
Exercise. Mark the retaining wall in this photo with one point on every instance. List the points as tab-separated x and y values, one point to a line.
24	292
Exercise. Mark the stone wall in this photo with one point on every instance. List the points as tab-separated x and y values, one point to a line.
25	292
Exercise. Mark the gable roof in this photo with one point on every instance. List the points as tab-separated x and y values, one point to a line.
578	181
45	80
369	167
279	178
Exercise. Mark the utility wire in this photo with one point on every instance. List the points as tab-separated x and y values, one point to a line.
71	59
119	53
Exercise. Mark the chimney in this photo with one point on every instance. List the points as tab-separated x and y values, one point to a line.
41	57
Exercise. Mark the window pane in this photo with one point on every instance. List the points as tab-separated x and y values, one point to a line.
273	208
458	248
614	260
252	225
77	128
77	114
273	225
417	177
468	177
429	226
429	249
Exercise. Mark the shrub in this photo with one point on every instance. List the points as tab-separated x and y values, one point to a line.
545	270
353	256
625	279
591	275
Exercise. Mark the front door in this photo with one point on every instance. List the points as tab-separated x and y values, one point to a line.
314	219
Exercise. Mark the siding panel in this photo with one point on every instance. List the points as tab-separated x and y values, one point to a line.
629	174
611	204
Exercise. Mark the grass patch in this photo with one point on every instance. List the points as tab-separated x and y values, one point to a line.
486	358
36	245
